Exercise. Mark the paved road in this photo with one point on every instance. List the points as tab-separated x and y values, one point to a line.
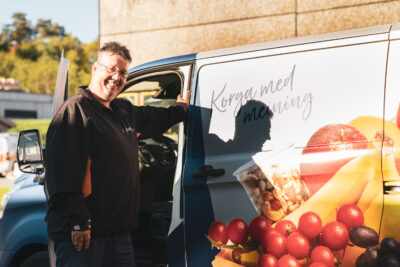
8	180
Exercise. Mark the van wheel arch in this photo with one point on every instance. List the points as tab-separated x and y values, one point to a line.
26	252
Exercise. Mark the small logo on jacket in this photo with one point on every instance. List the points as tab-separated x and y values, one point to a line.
128	129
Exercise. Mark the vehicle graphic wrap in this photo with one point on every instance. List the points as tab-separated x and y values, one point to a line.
306	147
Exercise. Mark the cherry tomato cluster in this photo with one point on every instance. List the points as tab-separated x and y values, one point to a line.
285	244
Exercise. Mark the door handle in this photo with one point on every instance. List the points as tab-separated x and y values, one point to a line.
391	187
208	170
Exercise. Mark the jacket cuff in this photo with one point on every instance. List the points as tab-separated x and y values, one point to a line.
80	223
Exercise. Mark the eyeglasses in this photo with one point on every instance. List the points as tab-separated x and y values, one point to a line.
113	71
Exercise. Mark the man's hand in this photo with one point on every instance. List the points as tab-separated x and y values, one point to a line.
80	239
180	102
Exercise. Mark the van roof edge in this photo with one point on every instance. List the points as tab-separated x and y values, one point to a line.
268	45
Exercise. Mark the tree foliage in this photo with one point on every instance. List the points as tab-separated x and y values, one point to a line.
31	54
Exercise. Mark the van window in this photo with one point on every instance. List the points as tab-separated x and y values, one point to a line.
158	91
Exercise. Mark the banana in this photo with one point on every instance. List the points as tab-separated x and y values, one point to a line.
244	259
373	188
391	213
391	217
389	169
373	213
346	186
250	259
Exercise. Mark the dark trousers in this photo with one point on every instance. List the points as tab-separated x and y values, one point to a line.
113	251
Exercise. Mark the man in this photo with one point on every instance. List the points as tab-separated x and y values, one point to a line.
92	173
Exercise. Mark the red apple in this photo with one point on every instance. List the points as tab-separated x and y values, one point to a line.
332	137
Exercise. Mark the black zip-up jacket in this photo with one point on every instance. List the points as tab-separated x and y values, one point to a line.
83	128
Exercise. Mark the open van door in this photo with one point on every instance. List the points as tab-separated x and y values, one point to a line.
30	141
60	95
61	91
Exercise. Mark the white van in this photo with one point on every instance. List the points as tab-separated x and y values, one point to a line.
8	148
290	152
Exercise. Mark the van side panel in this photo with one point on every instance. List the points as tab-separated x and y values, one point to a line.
294	132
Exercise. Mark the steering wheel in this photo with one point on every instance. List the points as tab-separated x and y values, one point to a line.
157	152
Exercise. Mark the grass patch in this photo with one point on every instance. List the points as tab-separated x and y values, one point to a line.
42	125
3	190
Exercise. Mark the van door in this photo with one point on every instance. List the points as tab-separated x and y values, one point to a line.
160	163
60	95
281	132
391	152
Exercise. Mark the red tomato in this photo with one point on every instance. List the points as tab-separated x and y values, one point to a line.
335	235
274	243
288	261
324	255
350	215
317	264
310	224
258	226
267	260
218	232
285	227
298	245
238	231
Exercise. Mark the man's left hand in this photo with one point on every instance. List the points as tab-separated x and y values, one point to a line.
180	102
80	239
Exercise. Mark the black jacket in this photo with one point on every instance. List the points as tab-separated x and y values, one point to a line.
84	128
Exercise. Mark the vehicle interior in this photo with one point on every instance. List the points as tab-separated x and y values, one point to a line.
157	163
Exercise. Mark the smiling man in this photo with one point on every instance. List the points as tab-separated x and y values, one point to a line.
92	169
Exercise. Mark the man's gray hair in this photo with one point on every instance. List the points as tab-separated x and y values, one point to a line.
118	49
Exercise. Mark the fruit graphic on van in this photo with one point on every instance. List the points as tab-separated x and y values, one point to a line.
337	247
371	127
333	137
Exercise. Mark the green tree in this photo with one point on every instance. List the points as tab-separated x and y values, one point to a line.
45	28
31	55
29	50
19	30
7	64
56	45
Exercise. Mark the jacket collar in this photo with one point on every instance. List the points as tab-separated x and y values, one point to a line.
86	93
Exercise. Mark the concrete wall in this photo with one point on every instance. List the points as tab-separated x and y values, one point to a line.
22	101
155	29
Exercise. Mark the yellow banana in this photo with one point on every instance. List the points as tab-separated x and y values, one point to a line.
389	168
373	188
346	186
391	217
391	213
372	216
250	259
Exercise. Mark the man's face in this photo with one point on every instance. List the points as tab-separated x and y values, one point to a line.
108	77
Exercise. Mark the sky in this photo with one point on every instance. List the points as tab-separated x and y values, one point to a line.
80	18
